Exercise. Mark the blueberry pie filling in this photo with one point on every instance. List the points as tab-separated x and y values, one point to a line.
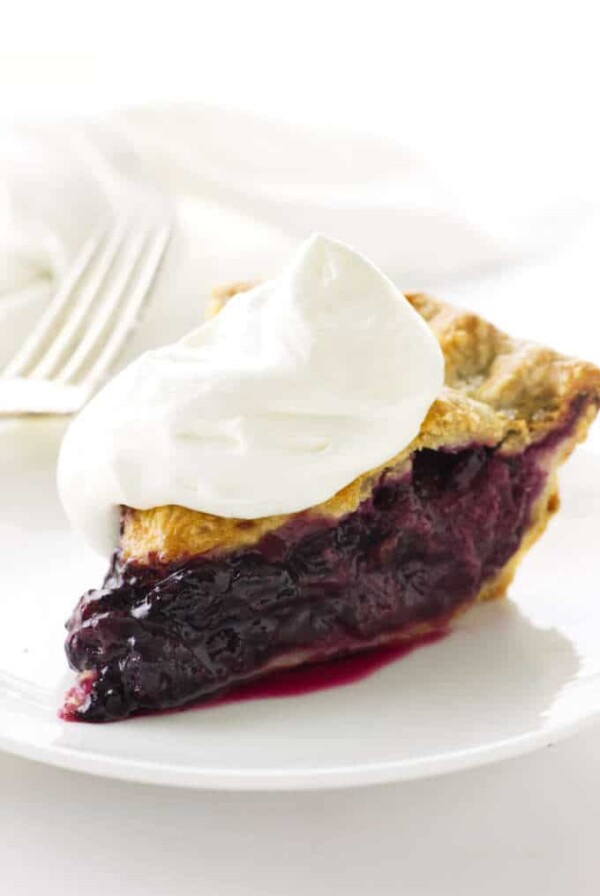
420	547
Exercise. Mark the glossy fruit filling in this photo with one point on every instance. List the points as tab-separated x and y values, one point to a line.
419	547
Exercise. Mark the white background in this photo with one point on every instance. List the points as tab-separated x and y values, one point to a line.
502	97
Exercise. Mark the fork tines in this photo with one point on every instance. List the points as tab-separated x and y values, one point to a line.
84	327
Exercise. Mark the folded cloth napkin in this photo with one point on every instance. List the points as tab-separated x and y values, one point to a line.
243	190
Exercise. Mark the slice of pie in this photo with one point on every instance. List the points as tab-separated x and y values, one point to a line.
194	604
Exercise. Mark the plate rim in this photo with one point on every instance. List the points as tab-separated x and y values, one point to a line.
265	780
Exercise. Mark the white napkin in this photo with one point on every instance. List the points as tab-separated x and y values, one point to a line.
244	191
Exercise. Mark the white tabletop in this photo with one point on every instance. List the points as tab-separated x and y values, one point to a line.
527	826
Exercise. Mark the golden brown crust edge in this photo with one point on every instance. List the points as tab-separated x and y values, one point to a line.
499	391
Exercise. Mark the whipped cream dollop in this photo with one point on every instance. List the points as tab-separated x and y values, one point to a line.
292	391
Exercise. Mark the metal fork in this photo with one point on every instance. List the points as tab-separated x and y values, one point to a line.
84	327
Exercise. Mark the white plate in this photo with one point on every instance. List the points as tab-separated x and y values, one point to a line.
513	676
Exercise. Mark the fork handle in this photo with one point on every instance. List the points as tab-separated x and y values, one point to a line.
21	395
